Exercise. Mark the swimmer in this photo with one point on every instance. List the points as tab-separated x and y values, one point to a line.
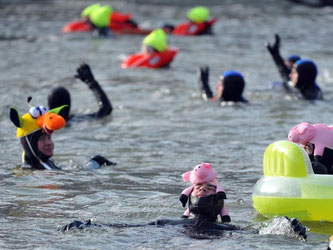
155	42
34	129
98	17
60	96
295	72
205	206
229	87
199	23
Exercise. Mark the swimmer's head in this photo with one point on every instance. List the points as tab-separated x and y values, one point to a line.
206	207
231	84
204	189
34	130
303	74
60	96
198	14
168	28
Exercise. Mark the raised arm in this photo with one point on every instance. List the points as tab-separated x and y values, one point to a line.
105	108
274	50
203	81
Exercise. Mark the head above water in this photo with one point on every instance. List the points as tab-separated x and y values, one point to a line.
60	96
304	74
232	84
204	189
203	202
34	130
157	39
198	14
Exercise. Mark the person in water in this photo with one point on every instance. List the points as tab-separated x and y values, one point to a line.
204	205
199	23
60	96
155	42
105	18
320	164
155	52
98	17
34	129
296	72
230	86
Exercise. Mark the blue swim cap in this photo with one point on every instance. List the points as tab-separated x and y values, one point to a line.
231	73
305	61
293	58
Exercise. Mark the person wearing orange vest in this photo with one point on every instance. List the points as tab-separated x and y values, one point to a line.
199	23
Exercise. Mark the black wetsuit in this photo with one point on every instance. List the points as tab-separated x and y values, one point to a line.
34	159
60	96
205	210
306	84
233	86
322	164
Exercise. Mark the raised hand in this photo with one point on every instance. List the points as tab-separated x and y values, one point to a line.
84	73
274	49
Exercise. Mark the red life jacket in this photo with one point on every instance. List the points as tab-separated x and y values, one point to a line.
193	29
76	26
156	60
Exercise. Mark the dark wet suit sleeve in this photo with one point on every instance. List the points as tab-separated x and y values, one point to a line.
196	224
105	108
282	68
274	50
203	82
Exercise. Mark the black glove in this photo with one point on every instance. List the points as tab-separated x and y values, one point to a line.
76	224
225	218
203	80
298	227
84	73
183	199
220	195
276	46
101	160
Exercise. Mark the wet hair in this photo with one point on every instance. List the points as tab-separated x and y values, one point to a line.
307	73
60	96
233	86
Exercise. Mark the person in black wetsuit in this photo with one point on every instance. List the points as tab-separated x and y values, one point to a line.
296	72
34	130
60	96
204	207
320	164
230	86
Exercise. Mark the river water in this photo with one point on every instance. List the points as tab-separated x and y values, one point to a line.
159	127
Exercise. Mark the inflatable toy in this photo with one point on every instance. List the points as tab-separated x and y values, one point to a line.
290	188
320	135
202	173
156	60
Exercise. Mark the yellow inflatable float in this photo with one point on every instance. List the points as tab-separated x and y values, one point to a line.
289	186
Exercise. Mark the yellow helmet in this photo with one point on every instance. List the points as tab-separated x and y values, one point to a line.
90	9
156	39
101	16
198	14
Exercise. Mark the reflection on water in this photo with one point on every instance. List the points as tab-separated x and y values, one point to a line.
159	128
